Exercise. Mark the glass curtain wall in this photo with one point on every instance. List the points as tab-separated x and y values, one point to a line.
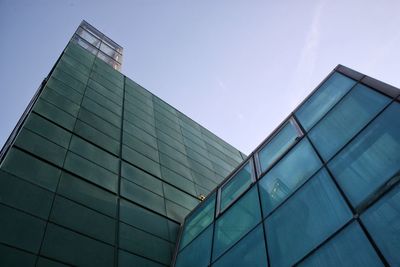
327	188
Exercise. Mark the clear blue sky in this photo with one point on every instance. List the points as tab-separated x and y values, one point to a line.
238	67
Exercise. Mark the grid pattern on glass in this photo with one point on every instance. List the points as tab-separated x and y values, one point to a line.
371	159
198	221
250	251
197	253
98	44
327	95
236	185
236	222
68	162
346	119
287	175
315	212
350	247
382	220
312	224
279	143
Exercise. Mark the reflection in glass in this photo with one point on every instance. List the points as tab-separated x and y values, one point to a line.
287	175
347	249
310	216
236	222
382	221
88	37
371	159
197	253
236	185
250	251
281	142
323	99
84	44
198	220
346	119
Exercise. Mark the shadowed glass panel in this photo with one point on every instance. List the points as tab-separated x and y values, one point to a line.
323	99
310	216
371	159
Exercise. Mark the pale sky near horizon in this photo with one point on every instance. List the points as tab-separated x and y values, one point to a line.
237	67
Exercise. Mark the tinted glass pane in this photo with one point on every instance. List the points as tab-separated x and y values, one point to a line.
346	119
236	185
250	251
371	158
382	221
75	249
197	253
240	218
144	244
349	248
15	257
278	145
323	99
305	220
198	221
290	172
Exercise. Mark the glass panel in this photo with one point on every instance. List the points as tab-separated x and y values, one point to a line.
34	199
371	159
290	172
143	219
305	220
240	218
346	119
88	37
250	251
347	249
15	257
84	44
201	217
20	230
382	221
81	219
75	249
285	138
110	52
144	244
236	185
323	99
109	60
197	253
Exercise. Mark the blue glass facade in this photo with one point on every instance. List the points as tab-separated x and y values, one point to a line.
326	191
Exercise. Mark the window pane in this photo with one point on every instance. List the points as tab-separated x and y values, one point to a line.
278	145
346	119
197	253
305	220
347	249
236	222
236	185
382	221
198	221
290	172
323	99
371	159
250	251
88	37
84	44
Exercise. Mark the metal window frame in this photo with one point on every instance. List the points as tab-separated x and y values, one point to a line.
253	179
300	134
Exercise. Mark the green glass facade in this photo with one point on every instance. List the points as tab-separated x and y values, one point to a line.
100	172
323	189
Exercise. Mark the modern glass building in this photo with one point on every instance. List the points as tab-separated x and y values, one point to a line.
99	171
322	190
